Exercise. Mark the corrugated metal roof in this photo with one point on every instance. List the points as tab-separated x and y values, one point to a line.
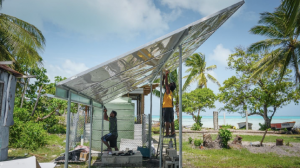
14	72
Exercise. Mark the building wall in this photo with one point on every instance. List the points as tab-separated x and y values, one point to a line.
7	108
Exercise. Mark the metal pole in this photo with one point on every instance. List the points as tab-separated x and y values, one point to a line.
246	120
180	106
68	130
150	122
91	123
102	127
161	122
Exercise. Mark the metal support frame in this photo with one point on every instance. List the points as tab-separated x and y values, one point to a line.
161	121
180	106
150	122
102	131
91	123
68	130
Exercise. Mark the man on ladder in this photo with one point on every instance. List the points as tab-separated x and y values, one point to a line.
168	112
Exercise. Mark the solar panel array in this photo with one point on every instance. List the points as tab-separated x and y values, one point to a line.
141	66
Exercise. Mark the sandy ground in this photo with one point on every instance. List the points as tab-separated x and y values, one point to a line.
293	150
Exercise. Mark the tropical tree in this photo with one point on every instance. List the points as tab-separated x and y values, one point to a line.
198	71
292	10
20	42
261	97
196	101
281	37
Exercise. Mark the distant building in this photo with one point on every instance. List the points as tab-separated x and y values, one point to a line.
8	80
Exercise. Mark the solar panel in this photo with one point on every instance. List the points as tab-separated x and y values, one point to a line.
140	66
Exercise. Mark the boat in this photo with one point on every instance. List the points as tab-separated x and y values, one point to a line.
287	125
243	125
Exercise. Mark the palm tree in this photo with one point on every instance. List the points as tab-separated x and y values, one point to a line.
282	38
198	71
292	9
20	41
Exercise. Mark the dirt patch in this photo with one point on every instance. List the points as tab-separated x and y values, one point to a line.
293	150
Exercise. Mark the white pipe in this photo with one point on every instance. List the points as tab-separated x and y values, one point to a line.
180	106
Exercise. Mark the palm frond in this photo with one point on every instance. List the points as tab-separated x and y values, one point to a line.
213	79
212	67
264	45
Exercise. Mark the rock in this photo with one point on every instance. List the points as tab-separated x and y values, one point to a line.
256	144
209	143
237	140
54	156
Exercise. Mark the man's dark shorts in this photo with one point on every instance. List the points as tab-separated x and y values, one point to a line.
168	114
112	139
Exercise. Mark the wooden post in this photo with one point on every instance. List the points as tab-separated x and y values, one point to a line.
216	122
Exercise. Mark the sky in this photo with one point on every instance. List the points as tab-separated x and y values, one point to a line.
82	34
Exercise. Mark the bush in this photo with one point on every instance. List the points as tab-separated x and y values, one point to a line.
227	126
263	127
226	135
190	140
196	127
197	142
28	135
57	129
176	124
155	129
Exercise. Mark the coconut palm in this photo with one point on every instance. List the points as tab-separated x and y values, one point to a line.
20	41
283	39
198	71
292	9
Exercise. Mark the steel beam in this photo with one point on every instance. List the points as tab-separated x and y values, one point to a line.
68	130
150	122
180	106
161	121
91	123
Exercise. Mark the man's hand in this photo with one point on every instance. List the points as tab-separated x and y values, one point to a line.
167	72
104	110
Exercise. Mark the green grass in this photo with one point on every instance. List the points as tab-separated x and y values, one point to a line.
233	158
268	138
55	146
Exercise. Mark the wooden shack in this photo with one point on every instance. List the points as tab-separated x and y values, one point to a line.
8	80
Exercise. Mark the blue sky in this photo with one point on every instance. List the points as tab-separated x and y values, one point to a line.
82	34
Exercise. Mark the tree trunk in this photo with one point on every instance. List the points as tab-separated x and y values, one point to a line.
267	122
37	100
23	94
47	116
296	68
262	140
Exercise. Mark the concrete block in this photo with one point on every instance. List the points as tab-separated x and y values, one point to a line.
136	159
108	159
171	152
3	154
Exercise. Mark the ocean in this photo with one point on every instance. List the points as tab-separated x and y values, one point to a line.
233	120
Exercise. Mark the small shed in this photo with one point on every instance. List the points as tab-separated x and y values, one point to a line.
8	80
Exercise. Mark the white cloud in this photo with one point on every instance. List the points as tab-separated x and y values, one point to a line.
220	54
204	7
67	69
92	18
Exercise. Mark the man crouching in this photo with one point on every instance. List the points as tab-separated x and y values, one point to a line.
112	136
